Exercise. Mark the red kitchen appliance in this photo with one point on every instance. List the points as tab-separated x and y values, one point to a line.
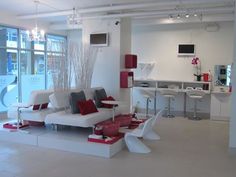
205	77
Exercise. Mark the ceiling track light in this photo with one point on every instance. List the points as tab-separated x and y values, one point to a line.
184	15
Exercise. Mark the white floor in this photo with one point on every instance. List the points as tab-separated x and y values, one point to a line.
186	149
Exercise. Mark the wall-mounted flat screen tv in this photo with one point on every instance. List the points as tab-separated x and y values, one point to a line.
99	39
186	49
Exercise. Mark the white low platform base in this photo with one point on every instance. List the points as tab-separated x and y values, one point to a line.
70	139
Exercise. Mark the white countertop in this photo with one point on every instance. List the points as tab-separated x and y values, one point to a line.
156	80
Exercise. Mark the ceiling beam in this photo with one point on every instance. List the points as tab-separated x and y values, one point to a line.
122	7
164	13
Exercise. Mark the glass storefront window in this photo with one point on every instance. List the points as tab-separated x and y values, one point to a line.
33	60
32	72
8	37
8	78
56	43
24	43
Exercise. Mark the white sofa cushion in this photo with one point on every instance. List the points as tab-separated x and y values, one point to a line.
61	99
78	120
39	97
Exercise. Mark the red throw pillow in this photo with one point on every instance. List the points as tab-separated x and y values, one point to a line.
44	106
110	98
36	107
87	107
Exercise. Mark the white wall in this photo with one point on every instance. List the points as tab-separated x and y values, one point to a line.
125	48
110	60
232	132
107	66
74	35
159	44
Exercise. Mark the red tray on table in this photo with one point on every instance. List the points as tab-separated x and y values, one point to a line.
103	141
13	126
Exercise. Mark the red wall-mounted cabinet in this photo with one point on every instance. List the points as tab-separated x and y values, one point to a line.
130	61
126	79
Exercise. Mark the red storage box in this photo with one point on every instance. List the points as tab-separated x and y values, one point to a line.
130	61
126	79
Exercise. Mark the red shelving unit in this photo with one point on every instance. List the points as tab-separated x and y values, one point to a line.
126	79
130	61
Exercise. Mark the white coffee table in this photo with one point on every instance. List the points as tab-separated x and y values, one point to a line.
114	104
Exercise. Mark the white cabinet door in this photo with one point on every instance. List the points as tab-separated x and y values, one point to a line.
215	106
220	106
226	106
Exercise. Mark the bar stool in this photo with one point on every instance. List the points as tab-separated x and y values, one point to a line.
169	94
195	94
148	95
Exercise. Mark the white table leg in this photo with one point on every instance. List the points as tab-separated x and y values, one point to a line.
113	113
18	123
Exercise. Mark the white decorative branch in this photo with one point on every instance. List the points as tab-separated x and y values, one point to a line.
59	66
83	58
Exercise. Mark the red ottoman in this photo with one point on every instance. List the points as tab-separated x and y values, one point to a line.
111	129
124	120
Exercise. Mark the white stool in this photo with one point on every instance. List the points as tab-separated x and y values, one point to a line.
148	95
169	94
195	94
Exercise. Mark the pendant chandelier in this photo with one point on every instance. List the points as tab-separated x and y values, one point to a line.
35	34
74	19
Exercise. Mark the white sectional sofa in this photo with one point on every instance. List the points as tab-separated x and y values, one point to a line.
37	97
60	100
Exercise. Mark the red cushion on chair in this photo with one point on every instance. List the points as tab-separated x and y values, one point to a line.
110	98
87	107
36	107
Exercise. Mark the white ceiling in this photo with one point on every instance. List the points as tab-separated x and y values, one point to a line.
28	6
161	9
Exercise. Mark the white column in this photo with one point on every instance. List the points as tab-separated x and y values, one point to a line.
232	132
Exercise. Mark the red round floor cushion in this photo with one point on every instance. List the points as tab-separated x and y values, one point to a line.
111	129
124	120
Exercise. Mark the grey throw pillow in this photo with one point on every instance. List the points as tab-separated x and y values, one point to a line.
98	96
75	97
